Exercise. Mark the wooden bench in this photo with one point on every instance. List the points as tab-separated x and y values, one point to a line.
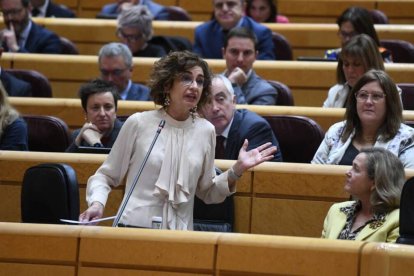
70	110
306	39
324	11
308	81
273	198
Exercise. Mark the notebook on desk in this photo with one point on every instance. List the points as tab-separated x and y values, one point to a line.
99	150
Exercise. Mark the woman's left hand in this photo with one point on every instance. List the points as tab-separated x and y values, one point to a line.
253	157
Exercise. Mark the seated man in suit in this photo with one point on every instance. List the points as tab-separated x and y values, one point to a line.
240	52
45	8
99	100
115	64
158	11
209	36
233	125
22	34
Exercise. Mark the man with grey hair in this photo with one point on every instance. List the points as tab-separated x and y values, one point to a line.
115	64
135	31
233	126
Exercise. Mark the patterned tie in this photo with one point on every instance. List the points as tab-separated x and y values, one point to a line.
220	147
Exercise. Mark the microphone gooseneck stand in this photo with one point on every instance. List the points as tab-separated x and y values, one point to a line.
125	202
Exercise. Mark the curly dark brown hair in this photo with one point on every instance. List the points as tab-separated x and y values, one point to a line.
169	67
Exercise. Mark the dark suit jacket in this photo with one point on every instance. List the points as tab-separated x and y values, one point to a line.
14	86
157	10
40	41
248	125
256	91
15	136
54	10
209	39
138	92
112	137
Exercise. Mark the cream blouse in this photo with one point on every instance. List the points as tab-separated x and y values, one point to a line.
180	165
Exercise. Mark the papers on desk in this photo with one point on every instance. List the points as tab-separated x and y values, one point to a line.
88	222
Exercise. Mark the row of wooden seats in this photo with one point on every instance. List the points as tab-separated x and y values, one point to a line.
70	110
324	11
308	81
306	39
34	249
273	198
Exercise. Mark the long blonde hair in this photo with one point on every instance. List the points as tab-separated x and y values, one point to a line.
7	113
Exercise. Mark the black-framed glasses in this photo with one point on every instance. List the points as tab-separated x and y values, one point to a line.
129	38
346	34
187	80
363	96
115	72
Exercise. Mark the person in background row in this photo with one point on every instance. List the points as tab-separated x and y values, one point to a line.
181	163
99	102
209	36
373	117
233	126
21	34
375	182
13	86
358	56
135	31
46	8
354	21
240	52
115	65
158	11
264	11
13	129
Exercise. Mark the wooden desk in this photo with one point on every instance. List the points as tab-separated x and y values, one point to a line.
273	198
323	11
308	81
70	110
306	39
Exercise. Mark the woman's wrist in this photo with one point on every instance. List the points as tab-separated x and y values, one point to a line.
233	174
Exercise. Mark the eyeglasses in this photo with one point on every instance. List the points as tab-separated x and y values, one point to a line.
115	72
187	80
363	96
346	34
12	12
129	38
229	4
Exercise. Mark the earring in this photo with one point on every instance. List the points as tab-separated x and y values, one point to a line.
166	100
193	112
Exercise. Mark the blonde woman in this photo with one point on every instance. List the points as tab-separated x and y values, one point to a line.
13	129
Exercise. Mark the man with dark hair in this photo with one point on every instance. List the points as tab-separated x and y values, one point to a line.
46	8
115	64
240	52
209	36
22	34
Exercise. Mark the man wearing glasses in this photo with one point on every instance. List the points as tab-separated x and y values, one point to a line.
228	14
115	64
22	34
240	53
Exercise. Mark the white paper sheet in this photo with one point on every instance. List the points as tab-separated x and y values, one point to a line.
88	222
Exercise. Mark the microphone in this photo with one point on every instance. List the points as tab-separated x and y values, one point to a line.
134	183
